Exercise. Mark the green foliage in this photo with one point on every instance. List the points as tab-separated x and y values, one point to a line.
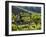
25	14
35	22
36	18
14	27
26	18
13	17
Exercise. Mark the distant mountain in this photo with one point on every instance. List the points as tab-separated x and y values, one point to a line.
35	9
17	10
